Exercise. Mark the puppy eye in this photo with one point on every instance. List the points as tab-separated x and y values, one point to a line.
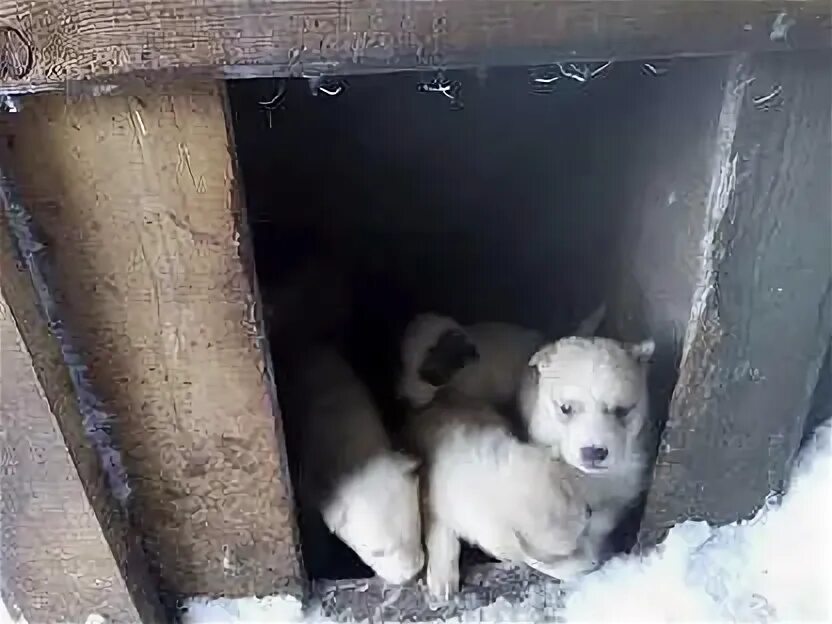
621	412
566	409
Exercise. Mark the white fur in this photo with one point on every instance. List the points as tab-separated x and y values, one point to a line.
590	377
513	500
366	493
504	350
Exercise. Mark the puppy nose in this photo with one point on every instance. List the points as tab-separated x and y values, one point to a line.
593	454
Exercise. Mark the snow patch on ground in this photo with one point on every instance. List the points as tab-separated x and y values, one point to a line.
773	568
5	616
268	610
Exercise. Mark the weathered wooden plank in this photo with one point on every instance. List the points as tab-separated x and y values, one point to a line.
66	550
138	200
761	318
47	43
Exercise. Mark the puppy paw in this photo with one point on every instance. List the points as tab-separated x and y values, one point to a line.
443	584
442	574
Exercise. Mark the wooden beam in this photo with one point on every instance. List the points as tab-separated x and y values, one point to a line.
49	43
762	316
137	198
66	549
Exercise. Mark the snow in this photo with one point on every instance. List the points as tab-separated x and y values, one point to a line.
5	616
773	568
271	610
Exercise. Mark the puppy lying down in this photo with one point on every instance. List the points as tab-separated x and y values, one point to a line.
484	486
486	361
366	493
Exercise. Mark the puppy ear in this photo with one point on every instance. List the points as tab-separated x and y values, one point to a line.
642	352
543	358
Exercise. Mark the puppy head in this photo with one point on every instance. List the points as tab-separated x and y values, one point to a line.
591	401
375	511
434	348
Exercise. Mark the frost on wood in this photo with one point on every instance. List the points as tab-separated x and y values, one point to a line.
33	254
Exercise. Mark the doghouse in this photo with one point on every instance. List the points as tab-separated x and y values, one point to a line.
163	161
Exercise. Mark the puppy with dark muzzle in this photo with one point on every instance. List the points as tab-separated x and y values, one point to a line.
484	361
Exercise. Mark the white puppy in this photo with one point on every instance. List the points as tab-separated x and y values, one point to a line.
367	494
585	399
482	485
485	361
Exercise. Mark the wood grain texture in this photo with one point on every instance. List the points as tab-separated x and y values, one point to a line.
137	198
48	43
763	316
66	550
